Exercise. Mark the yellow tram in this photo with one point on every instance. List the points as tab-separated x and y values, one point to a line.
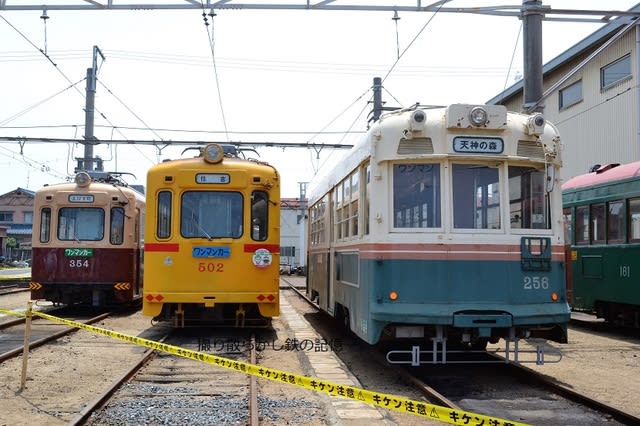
212	243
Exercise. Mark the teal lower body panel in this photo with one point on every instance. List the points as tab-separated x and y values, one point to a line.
490	299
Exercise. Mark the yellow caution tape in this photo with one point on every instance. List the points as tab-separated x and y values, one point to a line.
390	402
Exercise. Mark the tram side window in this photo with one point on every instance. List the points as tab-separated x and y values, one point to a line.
476	196
634	220
416	195
528	199
259	215
117	226
211	214
163	225
598	230
81	224
615	222
45	225
567	225
318	222
366	191
582	225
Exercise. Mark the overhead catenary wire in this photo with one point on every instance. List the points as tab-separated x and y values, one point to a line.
211	37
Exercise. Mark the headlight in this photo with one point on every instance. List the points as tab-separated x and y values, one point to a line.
213	153
82	179
478	116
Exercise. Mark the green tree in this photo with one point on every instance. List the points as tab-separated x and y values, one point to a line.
11	242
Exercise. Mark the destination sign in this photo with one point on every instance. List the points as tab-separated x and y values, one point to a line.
216	178
81	198
478	145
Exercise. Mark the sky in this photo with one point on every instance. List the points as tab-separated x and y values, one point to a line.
249	76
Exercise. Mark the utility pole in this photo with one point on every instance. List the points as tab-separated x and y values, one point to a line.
87	162
532	45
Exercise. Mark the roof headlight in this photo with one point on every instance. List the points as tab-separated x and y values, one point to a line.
478	116
82	179
213	153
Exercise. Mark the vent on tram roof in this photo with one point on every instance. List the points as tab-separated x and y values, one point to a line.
415	146
530	149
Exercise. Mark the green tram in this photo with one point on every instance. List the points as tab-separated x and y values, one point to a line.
602	218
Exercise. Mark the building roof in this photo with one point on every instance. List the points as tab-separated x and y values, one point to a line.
594	39
20	229
20	191
290	203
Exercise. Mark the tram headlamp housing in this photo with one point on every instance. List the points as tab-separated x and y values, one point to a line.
213	153
478	116
418	121
82	179
535	124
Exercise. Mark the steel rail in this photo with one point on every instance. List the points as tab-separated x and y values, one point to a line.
36	343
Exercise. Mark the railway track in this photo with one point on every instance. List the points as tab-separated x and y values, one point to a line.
504	390
41	332
178	390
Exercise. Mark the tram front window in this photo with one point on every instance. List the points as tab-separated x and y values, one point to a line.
416	195
528	199
211	214
80	224
476	196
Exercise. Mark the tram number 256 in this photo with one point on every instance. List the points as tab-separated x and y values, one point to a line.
210	267
535	282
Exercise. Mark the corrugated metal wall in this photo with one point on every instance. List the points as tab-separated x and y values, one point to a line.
603	127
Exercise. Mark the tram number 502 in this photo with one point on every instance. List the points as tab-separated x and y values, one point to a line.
536	282
210	267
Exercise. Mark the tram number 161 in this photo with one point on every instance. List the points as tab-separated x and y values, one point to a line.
536	282
625	271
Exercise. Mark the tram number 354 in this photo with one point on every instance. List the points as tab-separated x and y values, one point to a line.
535	282
210	267
78	263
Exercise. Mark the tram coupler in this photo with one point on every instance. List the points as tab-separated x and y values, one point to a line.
178	320
240	316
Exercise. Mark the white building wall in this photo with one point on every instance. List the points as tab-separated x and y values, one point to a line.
603	127
292	235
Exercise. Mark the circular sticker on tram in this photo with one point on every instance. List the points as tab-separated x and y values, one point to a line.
168	261
262	258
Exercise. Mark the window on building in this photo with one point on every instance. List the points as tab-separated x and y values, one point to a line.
570	95
287	251
6	216
416	195
476	196
615	72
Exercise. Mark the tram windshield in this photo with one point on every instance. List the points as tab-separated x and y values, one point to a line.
80	224
211	214
528	199
416	195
